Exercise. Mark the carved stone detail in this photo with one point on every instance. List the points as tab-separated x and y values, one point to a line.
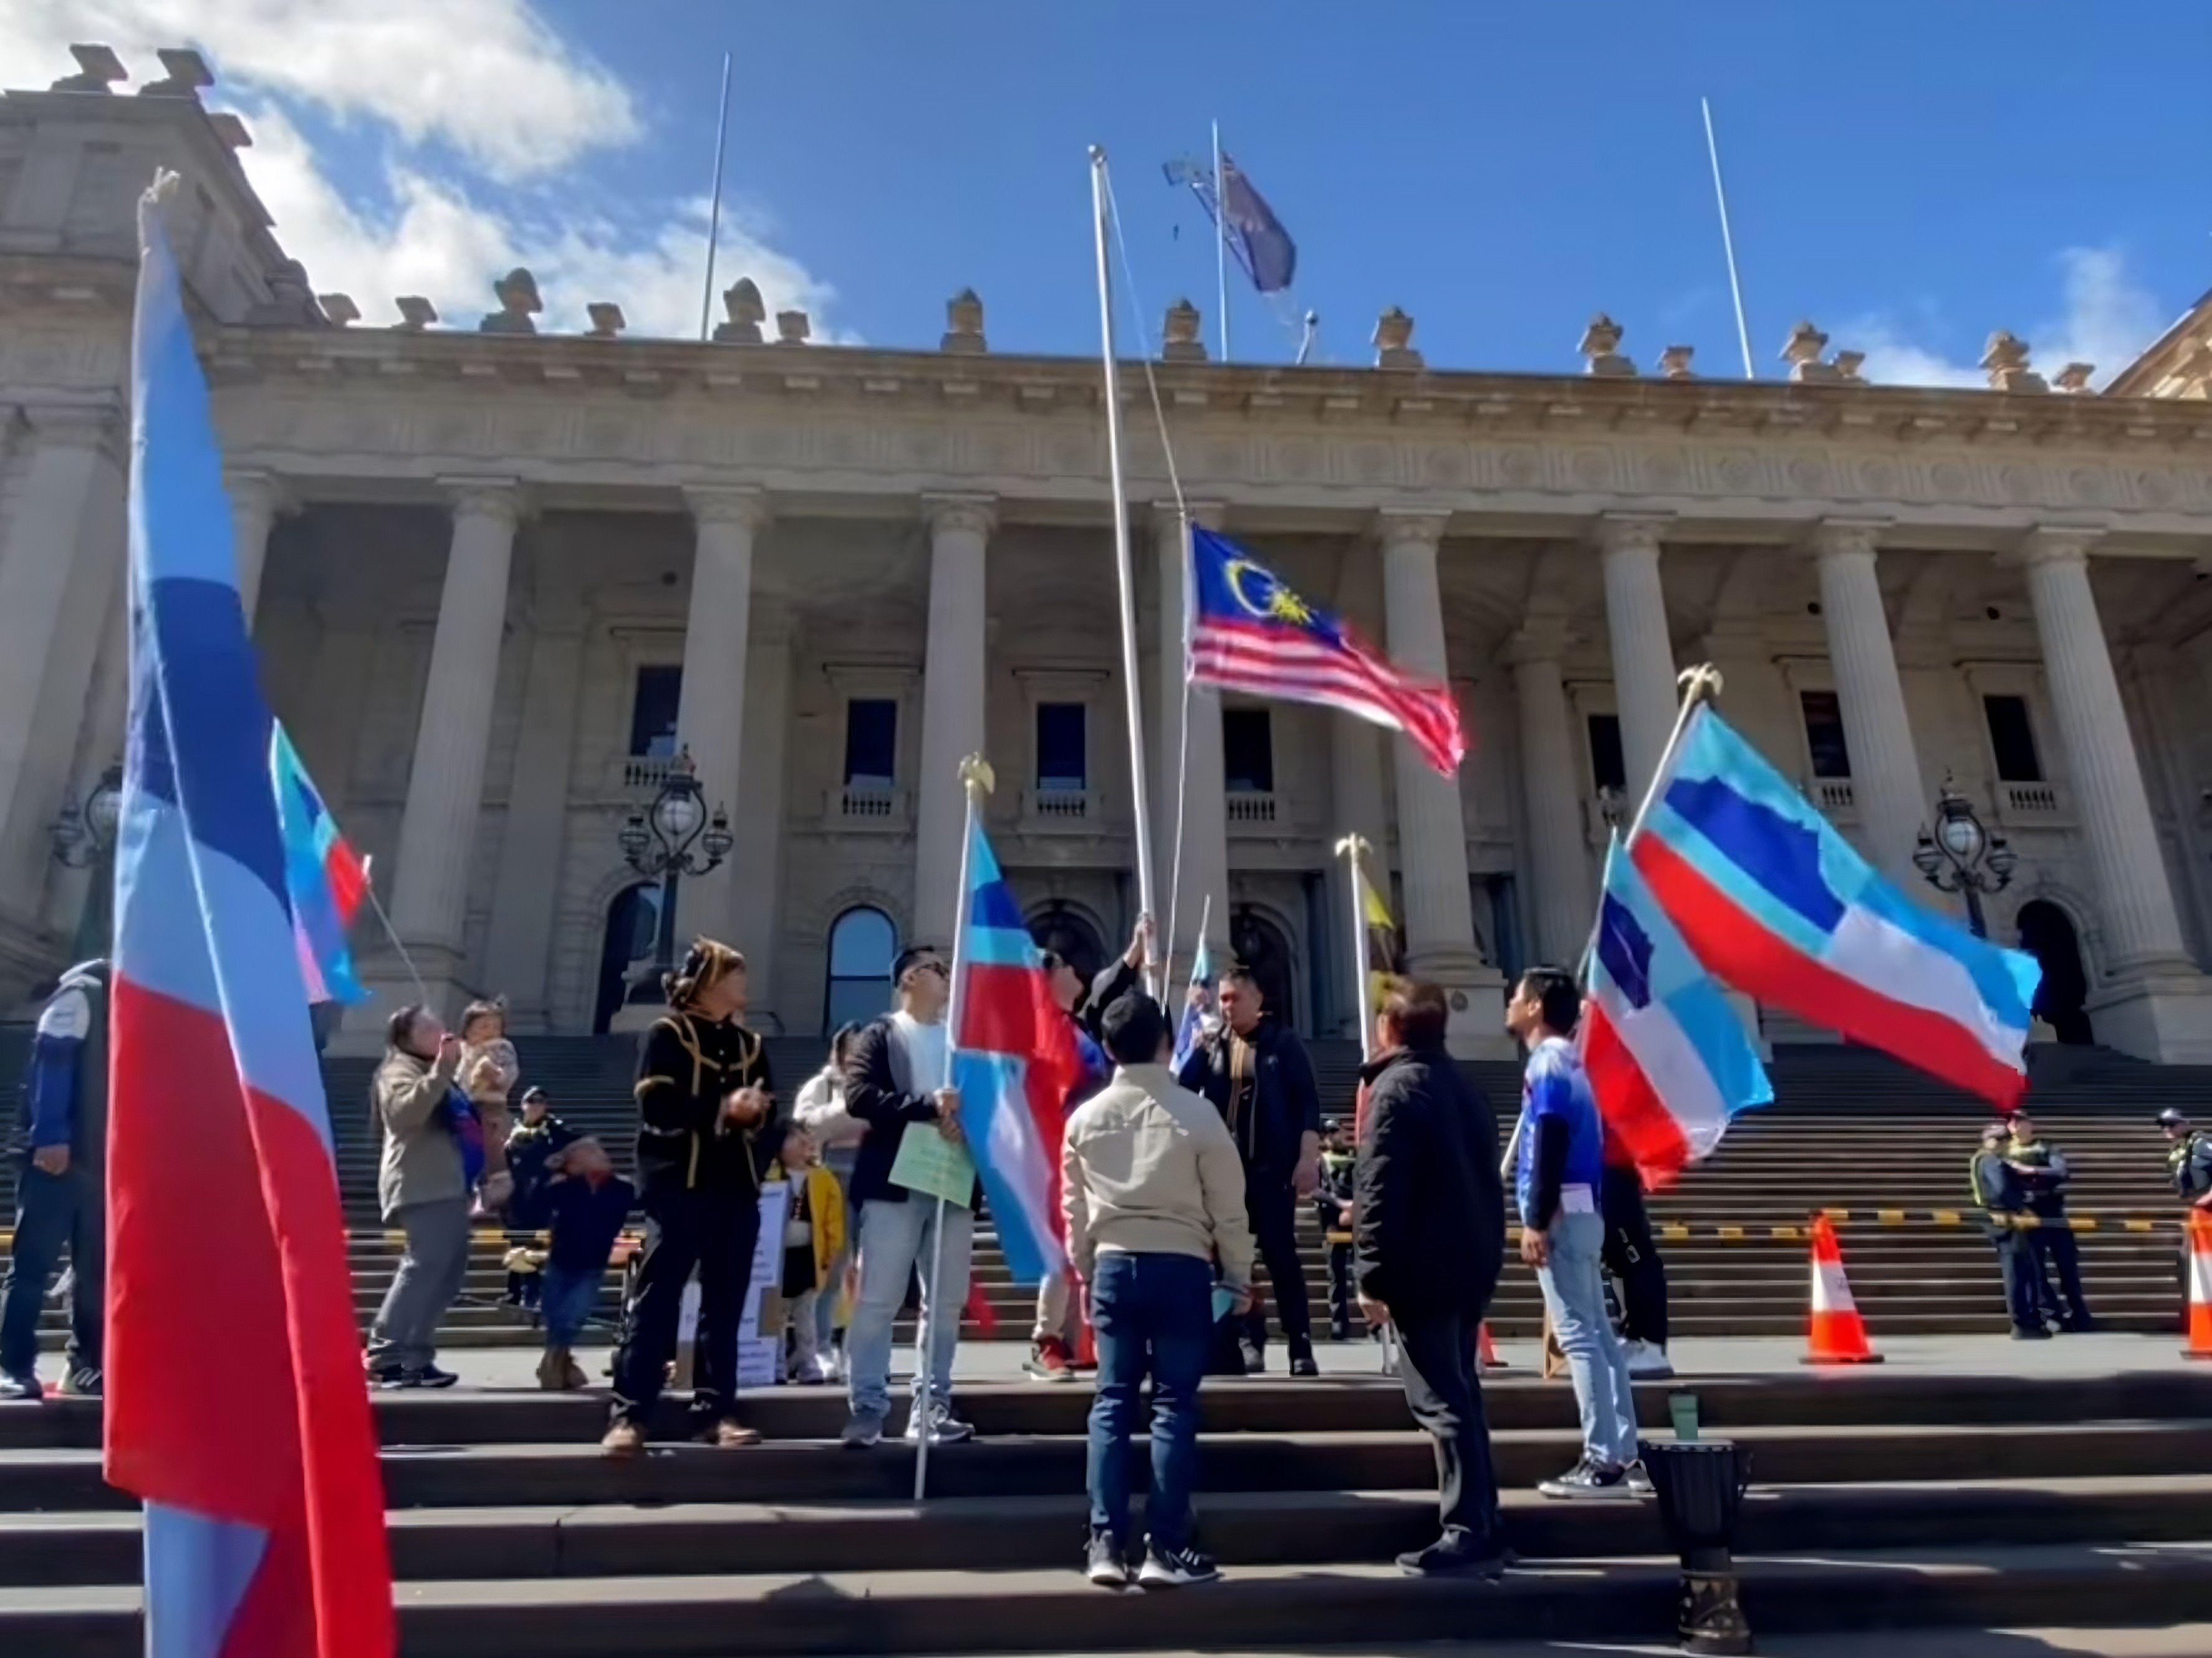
1394	341
1601	347
963	324
746	311
1181	339
2006	360
516	293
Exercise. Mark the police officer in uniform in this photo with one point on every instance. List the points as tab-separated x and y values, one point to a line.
2043	1167
2002	1198
2188	1159
706	1136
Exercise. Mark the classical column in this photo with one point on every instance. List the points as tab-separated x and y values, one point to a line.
710	714
1439	918
1558	866
1205	802
256	498
1885	768
757	901
1642	654
445	785
952	697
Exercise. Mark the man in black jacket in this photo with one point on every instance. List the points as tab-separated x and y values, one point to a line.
1428	1237
1258	1077
2002	1198
705	1138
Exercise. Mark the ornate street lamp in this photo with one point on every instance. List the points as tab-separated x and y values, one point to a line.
671	838
1963	857
83	837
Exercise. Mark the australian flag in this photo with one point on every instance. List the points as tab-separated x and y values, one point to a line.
1249	225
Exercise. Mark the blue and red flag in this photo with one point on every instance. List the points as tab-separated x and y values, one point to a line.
1772	900
1250	632
327	881
265	1510
1015	1062
1248	224
1194	1008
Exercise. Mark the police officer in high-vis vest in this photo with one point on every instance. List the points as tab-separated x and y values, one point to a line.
2001	1197
2043	1166
2188	1159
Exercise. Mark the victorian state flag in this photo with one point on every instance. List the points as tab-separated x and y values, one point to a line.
1775	901
263	1509
1015	1063
1670	1062
1250	632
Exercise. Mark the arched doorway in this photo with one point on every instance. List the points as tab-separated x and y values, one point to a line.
1068	933
1265	951
633	927
862	943
2046	932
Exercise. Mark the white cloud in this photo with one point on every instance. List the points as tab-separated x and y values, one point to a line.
2108	321
477	107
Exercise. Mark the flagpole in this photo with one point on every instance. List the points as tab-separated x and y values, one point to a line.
1221	239
1352	849
1133	693
977	781
1182	775
715	212
1727	241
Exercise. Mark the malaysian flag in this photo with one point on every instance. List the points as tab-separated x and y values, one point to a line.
1248	632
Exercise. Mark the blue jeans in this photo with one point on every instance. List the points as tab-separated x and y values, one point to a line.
1574	1294
1152	1313
55	1212
897	1240
566	1297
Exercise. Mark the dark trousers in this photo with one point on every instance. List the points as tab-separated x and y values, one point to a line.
2055	1249
2017	1261
54	1211
1152	1314
713	1234
1632	1256
1437	1366
1339	1289
1272	1210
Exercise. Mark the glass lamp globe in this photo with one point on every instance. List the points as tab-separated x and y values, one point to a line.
1962	836
104	808
677	816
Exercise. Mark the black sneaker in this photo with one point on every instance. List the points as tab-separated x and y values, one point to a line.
1303	1365
428	1376
2030	1332
1587	1478
1104	1564
20	1390
83	1382
1456	1554
1174	1569
386	1376
1640	1479
1255	1357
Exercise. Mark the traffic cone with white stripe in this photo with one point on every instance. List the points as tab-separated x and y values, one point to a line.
1839	1333
2200	1286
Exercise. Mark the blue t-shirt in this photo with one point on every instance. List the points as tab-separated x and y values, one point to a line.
1554	1085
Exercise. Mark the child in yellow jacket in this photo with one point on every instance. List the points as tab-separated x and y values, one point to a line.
814	1229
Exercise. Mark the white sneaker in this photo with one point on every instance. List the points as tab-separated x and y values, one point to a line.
945	1428
1647	1359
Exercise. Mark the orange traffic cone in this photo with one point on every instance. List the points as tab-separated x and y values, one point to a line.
2200	1286
1839	1333
1486	1350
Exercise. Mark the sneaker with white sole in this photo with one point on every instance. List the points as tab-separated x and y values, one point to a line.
945	1428
1174	1569
1588	1480
1105	1564
1640	1479
864	1432
1648	1360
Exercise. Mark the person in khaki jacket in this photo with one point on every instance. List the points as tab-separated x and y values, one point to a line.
422	1182
1153	1195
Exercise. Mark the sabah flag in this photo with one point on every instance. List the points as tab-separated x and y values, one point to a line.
326	881
1775	901
1015	1062
1668	1058
257	1465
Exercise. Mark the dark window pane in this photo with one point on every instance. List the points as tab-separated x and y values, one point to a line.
1824	734
652	716
1247	751
1059	756
1608	765
2012	739
871	741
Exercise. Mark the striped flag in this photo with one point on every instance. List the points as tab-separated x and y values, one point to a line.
1248	632
325	879
1194	1008
264	1509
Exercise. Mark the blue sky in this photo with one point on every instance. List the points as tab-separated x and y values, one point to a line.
1909	176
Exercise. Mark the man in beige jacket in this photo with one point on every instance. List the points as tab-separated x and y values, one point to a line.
1154	1194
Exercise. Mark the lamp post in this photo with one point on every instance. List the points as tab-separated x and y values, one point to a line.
671	838
1963	857
83	837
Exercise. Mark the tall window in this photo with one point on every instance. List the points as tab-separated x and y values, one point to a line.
2012	739
1061	765
1608	762
653	713
862	942
1823	733
1247	751
870	743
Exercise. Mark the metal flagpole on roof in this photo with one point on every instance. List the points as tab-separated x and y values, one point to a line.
714	210
1727	241
1221	248
1139	794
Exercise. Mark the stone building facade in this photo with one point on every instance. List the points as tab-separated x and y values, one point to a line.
497	576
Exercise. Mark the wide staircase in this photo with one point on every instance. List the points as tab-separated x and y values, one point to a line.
1882	1501
1881	1149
